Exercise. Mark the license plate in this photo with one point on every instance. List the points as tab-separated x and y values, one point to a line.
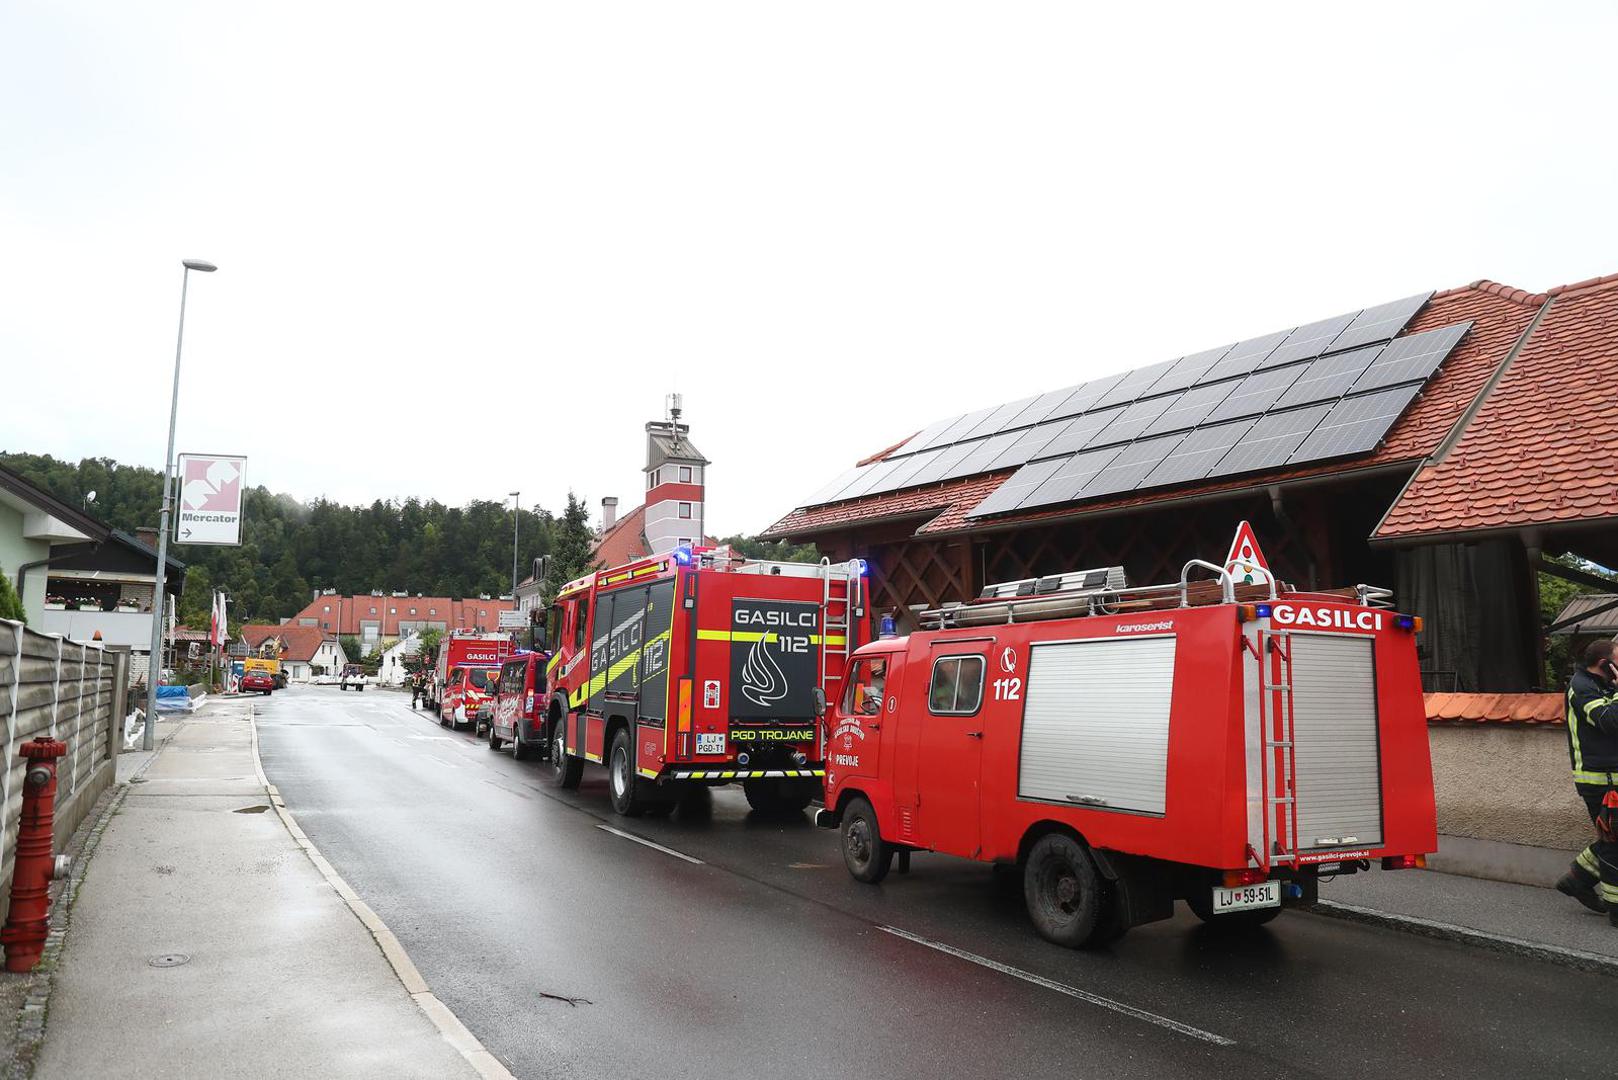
710	742
1264	894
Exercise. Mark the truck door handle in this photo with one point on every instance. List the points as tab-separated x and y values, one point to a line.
873	727
974	734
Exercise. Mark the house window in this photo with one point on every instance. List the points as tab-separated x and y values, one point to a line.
326	609
412	611
685	541
685	474
685	511
393	611
373	611
432	611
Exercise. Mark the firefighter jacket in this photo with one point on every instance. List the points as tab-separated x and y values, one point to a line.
1592	729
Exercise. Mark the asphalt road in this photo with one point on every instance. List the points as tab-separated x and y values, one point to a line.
745	950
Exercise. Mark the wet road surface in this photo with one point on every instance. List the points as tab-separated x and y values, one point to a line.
734	946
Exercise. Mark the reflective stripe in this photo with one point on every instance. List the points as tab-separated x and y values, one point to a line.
1573	738
764	635
1599	779
1609	893
1586	860
715	774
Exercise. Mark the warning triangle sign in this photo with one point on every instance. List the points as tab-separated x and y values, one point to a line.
1245	563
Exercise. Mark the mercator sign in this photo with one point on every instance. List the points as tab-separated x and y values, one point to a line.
208	504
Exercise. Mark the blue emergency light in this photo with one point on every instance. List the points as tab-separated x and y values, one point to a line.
682	555
888	629
1262	611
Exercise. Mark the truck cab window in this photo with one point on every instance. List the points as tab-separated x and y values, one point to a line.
867	687
581	615
553	628
957	686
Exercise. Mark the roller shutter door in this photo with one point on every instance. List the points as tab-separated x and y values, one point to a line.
1096	723
1339	776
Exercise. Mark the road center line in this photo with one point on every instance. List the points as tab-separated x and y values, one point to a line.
648	843
1062	988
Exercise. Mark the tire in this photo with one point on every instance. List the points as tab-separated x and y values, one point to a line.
495	741
1063	890
520	750
777	797
566	770
867	856
443	721
1235	922
621	779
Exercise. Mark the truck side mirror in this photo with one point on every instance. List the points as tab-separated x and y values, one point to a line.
820	701
541	640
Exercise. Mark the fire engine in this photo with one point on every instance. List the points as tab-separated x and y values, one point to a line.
699	668
468	667
1225	744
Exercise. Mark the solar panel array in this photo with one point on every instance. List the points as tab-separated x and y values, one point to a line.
1327	389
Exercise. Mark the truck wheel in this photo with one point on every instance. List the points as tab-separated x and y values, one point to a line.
865	853
1235	922
621	777
443	721
777	797
520	750
1062	890
495	741
566	770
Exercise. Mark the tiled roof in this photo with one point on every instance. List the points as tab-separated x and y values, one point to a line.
625	541
1496	708
348	612
298	643
1499	315
1539	451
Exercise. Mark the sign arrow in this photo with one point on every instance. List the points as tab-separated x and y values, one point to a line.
188	533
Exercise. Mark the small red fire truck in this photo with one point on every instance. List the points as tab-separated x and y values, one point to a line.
700	668
1218	743
468	668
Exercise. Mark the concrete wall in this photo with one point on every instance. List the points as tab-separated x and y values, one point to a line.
74	692
1507	783
15	550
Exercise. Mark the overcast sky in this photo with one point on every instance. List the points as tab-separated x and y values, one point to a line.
466	248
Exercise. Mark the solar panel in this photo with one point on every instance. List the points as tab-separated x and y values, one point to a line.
1356	424
913	464
1134	419
870	477
1190	408
1328	378
957	431
1029	444
830	491
1308	341
1270	441
1188	369
1380	323
1255	394
928	437
1411	359
1243	357
1065	483
1042	408
998	420
1133	384
1077	432
1016	487
1130	467
983	452
941	465
1198	453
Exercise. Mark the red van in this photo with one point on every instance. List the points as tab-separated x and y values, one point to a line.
519	705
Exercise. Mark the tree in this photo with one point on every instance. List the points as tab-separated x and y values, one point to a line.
571	554
10	602
427	655
1554	593
773	550
351	647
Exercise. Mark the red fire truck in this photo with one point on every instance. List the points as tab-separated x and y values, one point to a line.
468	668
1126	747
700	668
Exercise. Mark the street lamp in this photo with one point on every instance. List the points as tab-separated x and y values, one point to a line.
516	522
155	670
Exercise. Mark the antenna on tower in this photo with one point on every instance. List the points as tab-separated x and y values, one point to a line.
673	403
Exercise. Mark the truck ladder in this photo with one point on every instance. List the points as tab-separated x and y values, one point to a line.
1280	760
841	606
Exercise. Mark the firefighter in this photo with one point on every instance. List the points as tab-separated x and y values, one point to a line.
415	688
1592	736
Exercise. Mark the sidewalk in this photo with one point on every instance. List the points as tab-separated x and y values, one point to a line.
205	942
1522	919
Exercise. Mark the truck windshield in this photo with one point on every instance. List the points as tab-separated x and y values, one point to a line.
480	678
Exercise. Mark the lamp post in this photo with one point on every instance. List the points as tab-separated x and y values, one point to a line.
155	671
516	523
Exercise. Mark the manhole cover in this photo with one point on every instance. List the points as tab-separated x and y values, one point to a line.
169	959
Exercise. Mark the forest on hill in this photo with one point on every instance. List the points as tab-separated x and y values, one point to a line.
290	548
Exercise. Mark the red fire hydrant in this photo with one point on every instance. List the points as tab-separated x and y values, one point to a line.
36	865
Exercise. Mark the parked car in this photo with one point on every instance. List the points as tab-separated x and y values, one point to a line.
519	706
261	682
353	675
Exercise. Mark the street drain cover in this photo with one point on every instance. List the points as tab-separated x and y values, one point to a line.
169	959
251	810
